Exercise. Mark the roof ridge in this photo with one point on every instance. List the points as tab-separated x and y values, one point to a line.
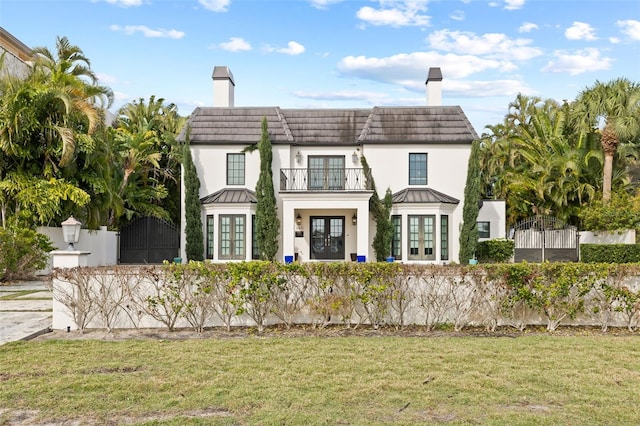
367	125
285	125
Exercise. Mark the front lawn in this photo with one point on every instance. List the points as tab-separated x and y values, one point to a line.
530	379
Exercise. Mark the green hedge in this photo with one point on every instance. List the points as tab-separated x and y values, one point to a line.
495	251
610	253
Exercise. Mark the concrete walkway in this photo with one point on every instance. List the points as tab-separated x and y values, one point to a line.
25	310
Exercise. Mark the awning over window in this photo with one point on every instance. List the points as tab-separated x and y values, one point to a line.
230	196
422	195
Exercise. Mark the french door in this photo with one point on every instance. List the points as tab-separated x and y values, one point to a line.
326	173
327	237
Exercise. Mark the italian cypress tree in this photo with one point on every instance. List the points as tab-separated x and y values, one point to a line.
381	211
384	227
469	232
267	222
193	219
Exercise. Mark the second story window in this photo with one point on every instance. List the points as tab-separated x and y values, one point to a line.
326	173
418	169
235	169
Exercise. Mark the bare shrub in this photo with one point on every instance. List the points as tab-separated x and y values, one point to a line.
434	297
108	295
72	288
402	295
164	295
330	294
291	294
197	292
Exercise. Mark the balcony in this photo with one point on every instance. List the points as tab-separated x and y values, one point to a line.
323	180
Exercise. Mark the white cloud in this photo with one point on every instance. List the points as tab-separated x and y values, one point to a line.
412	68
125	3
396	13
106	78
581	61
479	88
630	28
409	71
514	4
580	31
371	98
215	5
527	27
492	45
323	4
293	48
235	44
457	15
148	32
614	40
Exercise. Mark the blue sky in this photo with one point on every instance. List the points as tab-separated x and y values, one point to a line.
342	53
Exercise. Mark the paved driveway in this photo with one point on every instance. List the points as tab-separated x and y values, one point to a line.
25	310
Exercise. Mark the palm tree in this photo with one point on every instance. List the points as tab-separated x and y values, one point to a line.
613	107
163	121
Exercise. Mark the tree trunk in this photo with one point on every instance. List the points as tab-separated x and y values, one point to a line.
609	143
607	171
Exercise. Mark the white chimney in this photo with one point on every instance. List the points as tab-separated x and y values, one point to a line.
223	86
434	87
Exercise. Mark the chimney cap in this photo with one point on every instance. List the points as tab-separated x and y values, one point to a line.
435	74
222	73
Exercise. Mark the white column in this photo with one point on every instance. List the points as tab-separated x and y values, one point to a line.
288	231
64	259
363	231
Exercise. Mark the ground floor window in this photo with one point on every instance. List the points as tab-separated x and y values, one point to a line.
210	236
255	252
396	239
232	237
421	237
444	237
484	230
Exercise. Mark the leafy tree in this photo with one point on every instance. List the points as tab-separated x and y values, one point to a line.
267	221
615	105
193	213
539	164
47	126
621	212
469	231
160	123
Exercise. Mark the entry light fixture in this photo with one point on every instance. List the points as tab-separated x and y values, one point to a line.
354	157
71	231
299	220
354	219
299	157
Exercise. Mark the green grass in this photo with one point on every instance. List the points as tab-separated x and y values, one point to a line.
532	379
20	295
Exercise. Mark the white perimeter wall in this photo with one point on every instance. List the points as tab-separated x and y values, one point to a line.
102	245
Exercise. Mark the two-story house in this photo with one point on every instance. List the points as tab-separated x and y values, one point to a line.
322	191
17	55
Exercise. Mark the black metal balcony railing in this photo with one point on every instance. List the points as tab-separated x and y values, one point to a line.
339	179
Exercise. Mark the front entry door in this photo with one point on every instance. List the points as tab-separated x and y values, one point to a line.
327	237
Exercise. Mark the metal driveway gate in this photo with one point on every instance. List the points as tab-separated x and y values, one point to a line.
149	240
541	238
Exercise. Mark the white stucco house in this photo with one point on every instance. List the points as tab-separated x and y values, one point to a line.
420	153
17	55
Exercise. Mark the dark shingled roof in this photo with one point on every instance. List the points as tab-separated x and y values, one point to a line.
383	125
422	195
227	195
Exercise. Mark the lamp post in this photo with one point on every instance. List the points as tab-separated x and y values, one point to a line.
71	232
